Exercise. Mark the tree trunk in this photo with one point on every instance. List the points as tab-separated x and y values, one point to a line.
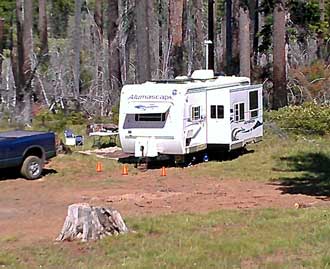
255	41
165	42
2	21
322	10
24	63
244	42
320	38
211	34
235	31
98	17
77	47
176	36
42	27
87	222
229	38
143	44
198	40
279	57
20	54
114	58
153	40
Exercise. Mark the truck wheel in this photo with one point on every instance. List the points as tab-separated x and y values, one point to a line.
32	167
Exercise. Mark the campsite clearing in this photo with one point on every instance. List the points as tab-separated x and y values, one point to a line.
219	214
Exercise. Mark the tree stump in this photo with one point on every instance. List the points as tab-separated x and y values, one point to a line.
87	222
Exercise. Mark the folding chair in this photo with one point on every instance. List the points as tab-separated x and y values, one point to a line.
70	139
79	140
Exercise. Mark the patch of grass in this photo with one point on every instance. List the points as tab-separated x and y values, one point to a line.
8	239
269	159
7	260
74	168
269	238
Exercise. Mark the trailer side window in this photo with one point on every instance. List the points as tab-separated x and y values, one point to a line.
195	113
253	100
239	112
213	112
220	111
217	112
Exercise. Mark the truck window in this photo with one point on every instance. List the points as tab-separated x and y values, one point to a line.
254	106
217	112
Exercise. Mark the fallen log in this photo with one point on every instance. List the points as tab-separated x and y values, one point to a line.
87	222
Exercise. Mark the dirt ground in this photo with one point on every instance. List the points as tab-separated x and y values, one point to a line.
33	211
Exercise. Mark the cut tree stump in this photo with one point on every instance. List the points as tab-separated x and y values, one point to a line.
87	222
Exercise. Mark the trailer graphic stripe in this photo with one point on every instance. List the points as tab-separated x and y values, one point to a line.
236	131
156	137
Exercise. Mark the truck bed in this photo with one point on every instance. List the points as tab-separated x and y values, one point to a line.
17	134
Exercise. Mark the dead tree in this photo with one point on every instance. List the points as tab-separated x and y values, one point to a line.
87	222
77	47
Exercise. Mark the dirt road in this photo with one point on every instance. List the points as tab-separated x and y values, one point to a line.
35	210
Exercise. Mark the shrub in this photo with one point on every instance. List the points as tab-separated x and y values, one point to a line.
308	118
59	121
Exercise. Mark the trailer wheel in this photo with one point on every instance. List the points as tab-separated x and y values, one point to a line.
32	167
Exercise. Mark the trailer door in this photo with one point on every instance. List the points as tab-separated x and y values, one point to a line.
195	121
218	114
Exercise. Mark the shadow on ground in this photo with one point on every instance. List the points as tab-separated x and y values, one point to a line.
190	160
313	178
12	174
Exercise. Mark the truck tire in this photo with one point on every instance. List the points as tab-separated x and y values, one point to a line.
32	167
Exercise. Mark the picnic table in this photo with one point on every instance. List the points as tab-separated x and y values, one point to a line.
99	135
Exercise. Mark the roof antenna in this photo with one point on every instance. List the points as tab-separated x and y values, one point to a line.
206	44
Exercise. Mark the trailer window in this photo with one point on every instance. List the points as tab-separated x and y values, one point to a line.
239	112
195	113
217	112
140	121
254	106
150	117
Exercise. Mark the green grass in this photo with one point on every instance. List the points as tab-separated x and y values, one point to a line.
76	168
272	159
269	238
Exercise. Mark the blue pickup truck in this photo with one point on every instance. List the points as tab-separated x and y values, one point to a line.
26	150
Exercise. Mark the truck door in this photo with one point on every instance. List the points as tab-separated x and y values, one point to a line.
4	153
195	121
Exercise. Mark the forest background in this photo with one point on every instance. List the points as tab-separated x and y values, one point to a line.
74	56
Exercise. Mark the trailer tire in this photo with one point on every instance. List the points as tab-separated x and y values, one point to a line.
32	167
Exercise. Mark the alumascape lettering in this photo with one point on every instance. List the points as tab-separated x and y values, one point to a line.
150	97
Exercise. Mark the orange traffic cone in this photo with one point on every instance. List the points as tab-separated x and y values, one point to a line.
163	174
125	170
98	167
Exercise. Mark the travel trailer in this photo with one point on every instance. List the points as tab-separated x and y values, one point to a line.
188	115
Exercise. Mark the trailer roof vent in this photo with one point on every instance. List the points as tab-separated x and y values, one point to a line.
202	74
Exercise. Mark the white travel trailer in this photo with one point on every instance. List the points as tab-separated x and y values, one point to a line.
188	115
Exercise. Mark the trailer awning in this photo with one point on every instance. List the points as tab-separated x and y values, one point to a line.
146	108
